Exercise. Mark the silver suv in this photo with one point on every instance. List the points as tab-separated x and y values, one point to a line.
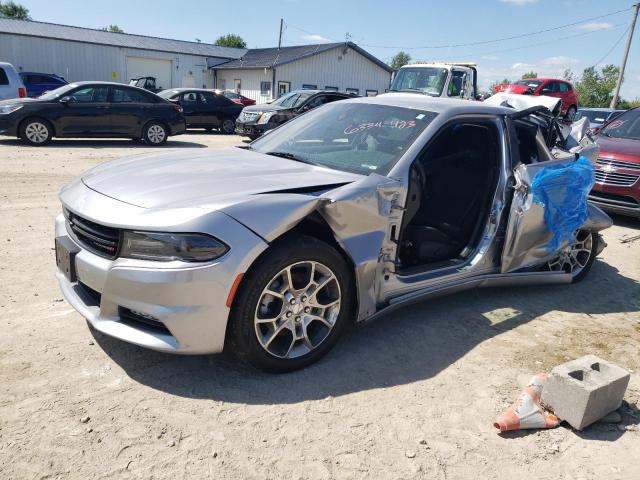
11	85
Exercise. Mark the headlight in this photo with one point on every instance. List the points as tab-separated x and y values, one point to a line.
7	109
165	247
265	117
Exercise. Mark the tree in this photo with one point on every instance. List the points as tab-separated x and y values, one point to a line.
400	59
231	40
492	87
14	10
568	75
595	89
530	74
113	29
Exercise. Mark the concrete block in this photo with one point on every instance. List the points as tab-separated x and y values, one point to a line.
584	390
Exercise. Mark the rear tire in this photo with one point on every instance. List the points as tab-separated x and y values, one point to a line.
155	134
36	132
292	306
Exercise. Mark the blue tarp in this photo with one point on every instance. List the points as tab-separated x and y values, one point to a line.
563	190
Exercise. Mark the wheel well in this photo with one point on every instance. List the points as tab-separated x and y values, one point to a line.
35	117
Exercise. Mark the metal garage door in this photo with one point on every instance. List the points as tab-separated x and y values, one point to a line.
150	67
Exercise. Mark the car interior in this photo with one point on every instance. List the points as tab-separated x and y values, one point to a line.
451	188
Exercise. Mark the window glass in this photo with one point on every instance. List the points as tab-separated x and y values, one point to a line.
563	87
355	91
265	88
189	98
626	125
89	94
355	137
319	100
455	84
372	93
3	77
211	99
308	86
125	95
428	80
529	83
293	99
331	89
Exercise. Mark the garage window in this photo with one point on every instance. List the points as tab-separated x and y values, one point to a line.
372	93
355	91
265	88
308	86
331	89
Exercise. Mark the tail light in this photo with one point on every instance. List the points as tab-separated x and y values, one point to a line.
22	92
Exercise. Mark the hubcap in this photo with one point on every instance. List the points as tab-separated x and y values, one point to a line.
156	134
228	126
297	310
575	257
37	132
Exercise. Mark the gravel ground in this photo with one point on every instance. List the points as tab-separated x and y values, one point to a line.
412	395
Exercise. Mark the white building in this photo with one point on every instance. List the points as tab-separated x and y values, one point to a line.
264	73
77	54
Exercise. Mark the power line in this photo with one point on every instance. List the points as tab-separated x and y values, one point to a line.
512	37
612	48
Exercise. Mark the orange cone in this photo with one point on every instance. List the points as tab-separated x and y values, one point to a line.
526	412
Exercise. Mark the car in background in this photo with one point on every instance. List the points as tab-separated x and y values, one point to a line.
236	97
617	187
92	109
11	85
39	83
257	119
205	109
550	87
597	116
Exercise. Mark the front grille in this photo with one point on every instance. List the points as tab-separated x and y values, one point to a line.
619	164
248	116
142	321
101	240
616	179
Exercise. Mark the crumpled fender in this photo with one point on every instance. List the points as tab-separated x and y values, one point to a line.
597	220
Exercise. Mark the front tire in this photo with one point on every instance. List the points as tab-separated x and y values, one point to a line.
577	258
36	132
155	134
228	126
292	306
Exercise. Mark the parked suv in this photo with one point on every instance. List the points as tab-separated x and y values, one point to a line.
39	83
550	87
257	119
11	85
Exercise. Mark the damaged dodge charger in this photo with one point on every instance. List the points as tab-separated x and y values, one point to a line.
274	249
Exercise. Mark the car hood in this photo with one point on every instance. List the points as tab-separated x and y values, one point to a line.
263	107
210	179
625	148
518	89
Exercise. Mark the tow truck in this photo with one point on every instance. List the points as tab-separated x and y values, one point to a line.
451	80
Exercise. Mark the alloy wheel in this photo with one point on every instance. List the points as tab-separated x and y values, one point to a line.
36	132
297	310
574	258
156	134
228	126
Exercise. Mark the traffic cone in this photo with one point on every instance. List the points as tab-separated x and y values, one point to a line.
526	412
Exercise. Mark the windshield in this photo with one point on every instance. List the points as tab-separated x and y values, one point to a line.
427	80
58	92
627	125
594	116
230	94
291	100
529	83
353	137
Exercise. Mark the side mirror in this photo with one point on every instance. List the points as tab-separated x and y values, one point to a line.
66	100
544	91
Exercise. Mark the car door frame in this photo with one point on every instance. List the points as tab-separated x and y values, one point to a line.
193	118
137	114
81	119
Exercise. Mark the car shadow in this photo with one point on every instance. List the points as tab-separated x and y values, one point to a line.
408	345
105	143
625	221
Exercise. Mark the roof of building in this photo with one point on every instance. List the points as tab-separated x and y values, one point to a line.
101	37
272	57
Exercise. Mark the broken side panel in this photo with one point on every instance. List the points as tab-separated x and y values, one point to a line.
364	216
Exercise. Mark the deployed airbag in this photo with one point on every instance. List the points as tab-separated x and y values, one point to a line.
563	190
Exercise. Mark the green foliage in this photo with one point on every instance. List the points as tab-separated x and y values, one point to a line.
530	74
400	59
113	29
595	88
492	87
231	40
14	10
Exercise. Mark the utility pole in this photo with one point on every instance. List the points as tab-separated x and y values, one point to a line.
280	36
614	100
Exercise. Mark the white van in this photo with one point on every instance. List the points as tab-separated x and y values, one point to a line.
11	85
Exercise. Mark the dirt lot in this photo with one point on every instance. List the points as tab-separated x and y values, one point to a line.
410	396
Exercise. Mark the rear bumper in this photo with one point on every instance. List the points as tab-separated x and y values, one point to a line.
178	127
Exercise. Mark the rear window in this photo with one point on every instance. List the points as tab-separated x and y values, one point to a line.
4	80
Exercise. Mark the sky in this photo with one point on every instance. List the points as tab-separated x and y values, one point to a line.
428	30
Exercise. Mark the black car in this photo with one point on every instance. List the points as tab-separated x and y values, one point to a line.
257	119
92	109
205	108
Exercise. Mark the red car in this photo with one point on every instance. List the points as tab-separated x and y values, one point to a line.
236	97
550	87
617	187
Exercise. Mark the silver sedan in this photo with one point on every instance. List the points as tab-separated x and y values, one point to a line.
340	215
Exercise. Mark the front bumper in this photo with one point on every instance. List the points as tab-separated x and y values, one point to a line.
617	199
251	129
182	306
8	125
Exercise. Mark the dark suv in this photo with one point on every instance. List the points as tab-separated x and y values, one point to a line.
257	119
